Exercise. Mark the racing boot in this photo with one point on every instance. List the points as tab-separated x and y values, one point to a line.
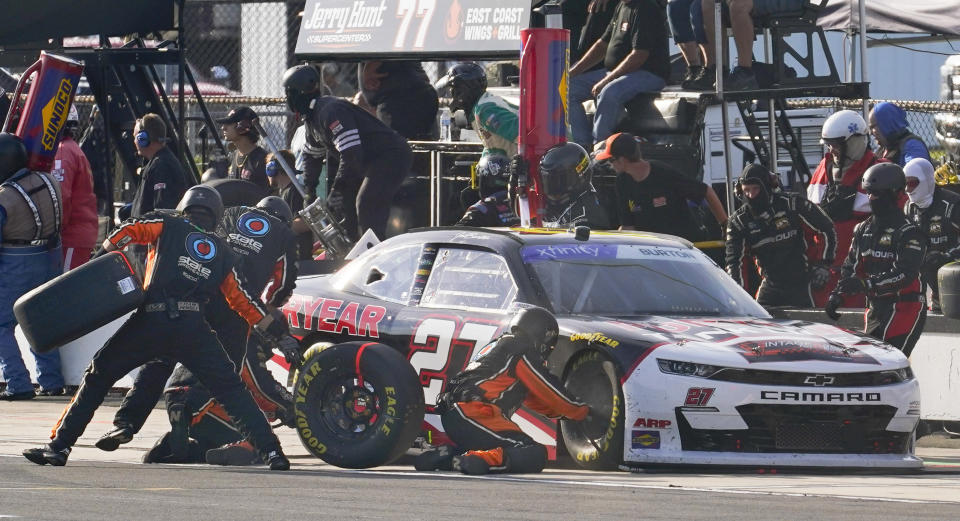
237	453
113	439
277	460
440	458
178	441
47	455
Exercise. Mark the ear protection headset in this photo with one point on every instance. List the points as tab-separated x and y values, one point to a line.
141	138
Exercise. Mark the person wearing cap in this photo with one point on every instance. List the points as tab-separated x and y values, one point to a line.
248	160
281	185
769	227
653	196
936	211
80	225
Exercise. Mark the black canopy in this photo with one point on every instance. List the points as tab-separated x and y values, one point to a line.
26	21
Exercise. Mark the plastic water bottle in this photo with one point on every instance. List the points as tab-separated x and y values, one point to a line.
445	133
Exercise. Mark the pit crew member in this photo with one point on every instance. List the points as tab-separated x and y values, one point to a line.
496	120
493	208
888	123
81	223
565	175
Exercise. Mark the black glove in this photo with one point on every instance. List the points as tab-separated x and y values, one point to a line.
124	212
934	260
335	202
833	303
819	275
276	329
853	286
291	350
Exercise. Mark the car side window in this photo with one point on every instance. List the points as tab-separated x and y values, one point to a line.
463	278
386	276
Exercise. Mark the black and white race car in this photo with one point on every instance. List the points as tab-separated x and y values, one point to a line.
685	365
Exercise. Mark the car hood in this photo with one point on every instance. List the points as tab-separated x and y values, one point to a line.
738	342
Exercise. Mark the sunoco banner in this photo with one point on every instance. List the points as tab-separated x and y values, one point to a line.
411	28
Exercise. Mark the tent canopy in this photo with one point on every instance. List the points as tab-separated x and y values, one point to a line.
894	16
25	21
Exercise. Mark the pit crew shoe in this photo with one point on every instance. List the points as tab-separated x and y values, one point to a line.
437	459
237	453
6	395
115	438
178	440
471	464
276	460
46	455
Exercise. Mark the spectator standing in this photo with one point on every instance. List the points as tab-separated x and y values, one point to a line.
80	224
888	124
248	161
635	60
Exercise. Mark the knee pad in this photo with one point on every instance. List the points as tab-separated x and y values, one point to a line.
525	459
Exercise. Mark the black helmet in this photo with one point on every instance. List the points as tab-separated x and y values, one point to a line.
13	155
276	207
203	196
754	174
493	173
539	326
884	176
564	171
301	84
467	82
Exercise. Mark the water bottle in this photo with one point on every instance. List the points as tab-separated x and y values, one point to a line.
445	134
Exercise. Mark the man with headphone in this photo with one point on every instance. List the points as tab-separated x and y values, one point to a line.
162	180
248	161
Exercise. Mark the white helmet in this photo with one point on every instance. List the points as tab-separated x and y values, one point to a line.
73	115
842	125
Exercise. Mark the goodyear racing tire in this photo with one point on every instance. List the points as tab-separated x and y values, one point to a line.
357	404
597	444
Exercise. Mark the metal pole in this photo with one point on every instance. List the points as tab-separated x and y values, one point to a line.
718	53
863	50
771	108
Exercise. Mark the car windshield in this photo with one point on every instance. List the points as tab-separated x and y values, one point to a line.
631	279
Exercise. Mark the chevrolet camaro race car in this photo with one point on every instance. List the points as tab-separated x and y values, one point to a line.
686	366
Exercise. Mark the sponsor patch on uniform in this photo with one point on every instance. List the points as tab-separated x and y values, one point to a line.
124	241
624	27
159	186
886	239
336	126
645	439
659	201
126	285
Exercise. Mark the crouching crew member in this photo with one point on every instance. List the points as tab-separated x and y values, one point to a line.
493	208
262	240
477	408
770	228
884	263
187	266
566	178
935	211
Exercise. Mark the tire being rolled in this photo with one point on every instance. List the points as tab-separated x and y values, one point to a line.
948	277
357	404
597	445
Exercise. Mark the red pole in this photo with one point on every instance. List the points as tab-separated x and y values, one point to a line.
544	68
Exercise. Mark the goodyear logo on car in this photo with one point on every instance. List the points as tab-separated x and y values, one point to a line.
55	113
599	338
645	439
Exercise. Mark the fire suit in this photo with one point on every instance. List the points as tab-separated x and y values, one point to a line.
81	223
476	409
585	210
498	124
266	249
775	238
941	223
186	267
30	212
366	160
888	255
491	212
845	202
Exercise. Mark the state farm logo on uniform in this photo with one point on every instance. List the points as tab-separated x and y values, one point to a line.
200	249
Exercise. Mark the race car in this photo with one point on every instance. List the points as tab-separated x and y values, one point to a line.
686	367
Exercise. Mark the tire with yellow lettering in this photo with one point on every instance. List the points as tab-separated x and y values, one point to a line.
596	444
357	404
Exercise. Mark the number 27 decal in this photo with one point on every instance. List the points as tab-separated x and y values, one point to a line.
441	347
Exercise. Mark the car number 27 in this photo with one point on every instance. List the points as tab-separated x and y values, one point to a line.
441	347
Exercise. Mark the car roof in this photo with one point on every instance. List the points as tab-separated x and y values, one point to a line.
499	238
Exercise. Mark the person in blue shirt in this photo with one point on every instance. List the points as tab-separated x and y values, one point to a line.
888	124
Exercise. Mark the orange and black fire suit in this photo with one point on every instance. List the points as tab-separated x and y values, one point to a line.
477	408
186	267
888	255
266	251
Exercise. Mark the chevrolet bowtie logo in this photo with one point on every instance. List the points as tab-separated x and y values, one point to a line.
818	380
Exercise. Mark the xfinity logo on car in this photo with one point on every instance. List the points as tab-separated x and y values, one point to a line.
790	396
818	380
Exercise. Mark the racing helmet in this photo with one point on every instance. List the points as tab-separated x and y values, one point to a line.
539	326
73	116
202	196
13	155
883	177
564	172
276	207
467	82
493	173
301	84
847	132
754	174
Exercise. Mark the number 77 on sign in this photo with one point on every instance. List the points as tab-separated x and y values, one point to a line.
407	10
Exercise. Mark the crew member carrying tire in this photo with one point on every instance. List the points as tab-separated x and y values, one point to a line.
565	175
366	160
493	208
770	228
884	263
477	407
188	265
262	240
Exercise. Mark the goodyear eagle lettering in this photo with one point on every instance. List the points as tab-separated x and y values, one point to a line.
334	316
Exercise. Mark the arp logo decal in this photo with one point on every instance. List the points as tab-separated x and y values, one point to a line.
253	225
645	439
200	247
652	423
